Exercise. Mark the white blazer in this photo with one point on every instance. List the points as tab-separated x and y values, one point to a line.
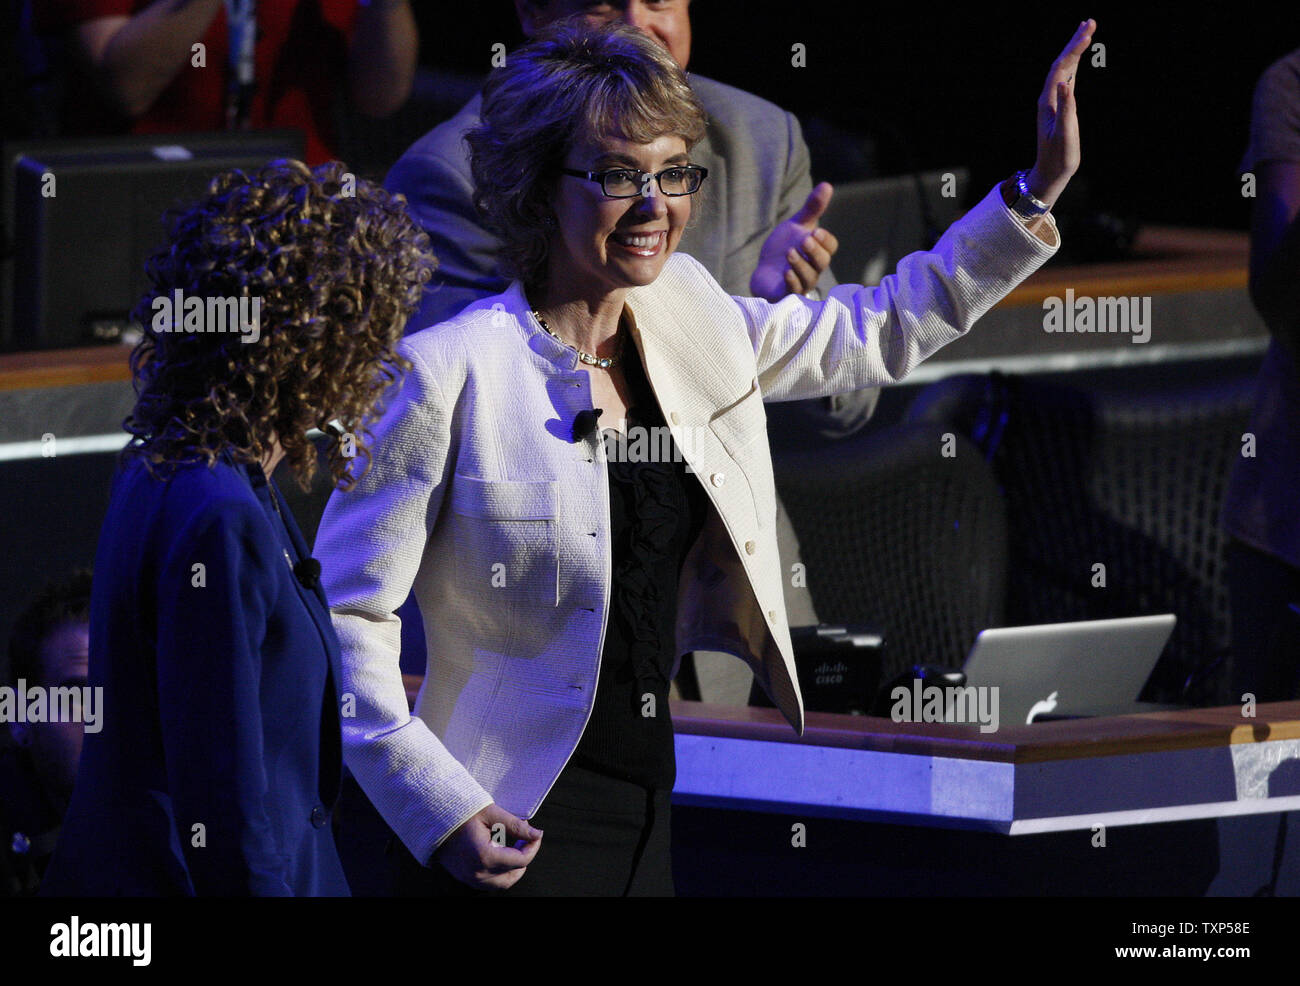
479	499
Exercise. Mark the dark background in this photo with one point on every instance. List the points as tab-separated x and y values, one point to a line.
1163	125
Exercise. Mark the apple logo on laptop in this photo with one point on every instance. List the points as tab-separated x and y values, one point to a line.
1046	705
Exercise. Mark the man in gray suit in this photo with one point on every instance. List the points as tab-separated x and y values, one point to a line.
756	233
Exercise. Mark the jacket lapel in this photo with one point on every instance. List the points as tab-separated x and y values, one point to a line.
330	776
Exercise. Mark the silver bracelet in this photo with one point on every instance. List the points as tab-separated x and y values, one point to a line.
1028	206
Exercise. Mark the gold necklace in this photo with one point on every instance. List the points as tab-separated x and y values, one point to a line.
604	362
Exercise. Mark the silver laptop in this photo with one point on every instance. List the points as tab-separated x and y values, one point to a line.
1065	669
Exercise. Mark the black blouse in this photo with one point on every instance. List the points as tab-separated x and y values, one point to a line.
656	510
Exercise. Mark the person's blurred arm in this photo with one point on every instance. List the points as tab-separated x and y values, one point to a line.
1273	156
133	59
1275	250
381	61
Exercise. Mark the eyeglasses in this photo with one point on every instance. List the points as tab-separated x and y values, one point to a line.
628	183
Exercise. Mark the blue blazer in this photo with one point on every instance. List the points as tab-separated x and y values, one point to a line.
218	759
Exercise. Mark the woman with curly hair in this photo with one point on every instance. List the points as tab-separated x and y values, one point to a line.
563	571
218	760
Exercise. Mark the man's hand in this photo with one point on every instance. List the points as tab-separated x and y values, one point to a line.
798	251
473	857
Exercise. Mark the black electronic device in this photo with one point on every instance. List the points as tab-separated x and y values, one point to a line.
81	216
838	667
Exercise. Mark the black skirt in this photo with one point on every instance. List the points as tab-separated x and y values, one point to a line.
601	837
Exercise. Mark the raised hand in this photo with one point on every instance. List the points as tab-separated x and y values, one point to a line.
1058	122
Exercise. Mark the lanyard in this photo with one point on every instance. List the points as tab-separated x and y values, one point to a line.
241	27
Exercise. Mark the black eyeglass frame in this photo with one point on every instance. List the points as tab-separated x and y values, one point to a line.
600	176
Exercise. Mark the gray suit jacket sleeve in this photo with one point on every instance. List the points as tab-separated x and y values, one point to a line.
841	414
434	176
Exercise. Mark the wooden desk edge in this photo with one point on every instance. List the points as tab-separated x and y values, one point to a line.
64	367
1053	284
1066	740
1149	732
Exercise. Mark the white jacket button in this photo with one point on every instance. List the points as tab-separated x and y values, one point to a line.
771	615
750	547
676	418
717	479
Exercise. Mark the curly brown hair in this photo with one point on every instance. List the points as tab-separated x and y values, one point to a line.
571	80
338	266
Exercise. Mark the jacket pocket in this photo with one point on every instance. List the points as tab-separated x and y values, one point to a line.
742	430
506	540
742	422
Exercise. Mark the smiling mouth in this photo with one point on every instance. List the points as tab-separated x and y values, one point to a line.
641	244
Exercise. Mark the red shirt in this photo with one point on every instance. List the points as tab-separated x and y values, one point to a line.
301	58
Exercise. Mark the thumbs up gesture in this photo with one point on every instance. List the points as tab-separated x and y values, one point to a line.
797	252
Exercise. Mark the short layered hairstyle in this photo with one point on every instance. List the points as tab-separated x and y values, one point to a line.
570	82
